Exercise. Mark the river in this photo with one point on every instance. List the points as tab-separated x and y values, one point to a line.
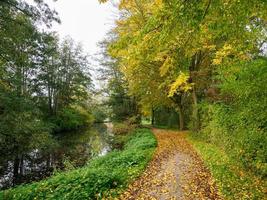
72	149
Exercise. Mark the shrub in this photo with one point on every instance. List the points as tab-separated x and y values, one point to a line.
238	123
71	118
121	128
125	127
99	115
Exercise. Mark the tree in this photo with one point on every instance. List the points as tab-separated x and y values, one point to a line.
123	105
175	39
40	80
20	117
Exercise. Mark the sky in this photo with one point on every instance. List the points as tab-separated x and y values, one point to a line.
86	21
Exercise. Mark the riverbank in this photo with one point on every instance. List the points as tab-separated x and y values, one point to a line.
70	149
102	177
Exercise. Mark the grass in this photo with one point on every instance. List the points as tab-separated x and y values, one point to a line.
232	180
102	177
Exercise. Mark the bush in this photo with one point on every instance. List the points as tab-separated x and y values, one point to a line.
99	115
125	127
238	123
121	128
71	118
104	176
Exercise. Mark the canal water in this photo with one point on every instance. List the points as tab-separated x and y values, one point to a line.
71	150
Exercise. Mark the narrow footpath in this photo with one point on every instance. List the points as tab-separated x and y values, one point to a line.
175	172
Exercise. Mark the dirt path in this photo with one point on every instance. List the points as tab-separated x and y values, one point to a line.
175	172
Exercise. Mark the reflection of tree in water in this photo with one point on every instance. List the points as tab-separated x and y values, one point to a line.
28	167
74	149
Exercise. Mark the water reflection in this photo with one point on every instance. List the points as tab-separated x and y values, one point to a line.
73	149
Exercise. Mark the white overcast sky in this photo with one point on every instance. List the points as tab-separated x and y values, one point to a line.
86	21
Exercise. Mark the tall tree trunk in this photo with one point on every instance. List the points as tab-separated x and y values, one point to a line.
153	117
181	118
21	166
16	170
48	162
195	114
50	100
181	114
178	100
193	69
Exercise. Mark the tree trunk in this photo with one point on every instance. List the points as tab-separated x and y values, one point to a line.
195	111
181	118
48	162
193	69
21	166
16	170
178	100
50	103
153	117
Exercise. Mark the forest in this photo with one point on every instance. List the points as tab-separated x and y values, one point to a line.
197	68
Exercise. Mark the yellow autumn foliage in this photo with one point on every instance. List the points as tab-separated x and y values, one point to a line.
222	53
167	64
181	84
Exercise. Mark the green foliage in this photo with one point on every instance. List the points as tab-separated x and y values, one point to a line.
238	124
123	106
200	52
167	48
71	118
233	181
122	128
40	79
166	117
99	114
104	176
19	121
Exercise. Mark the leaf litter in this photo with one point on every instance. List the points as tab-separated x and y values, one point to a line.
175	172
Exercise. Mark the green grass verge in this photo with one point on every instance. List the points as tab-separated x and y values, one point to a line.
232	180
104	176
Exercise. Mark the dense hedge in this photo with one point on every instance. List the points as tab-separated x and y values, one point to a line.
238	122
103	176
